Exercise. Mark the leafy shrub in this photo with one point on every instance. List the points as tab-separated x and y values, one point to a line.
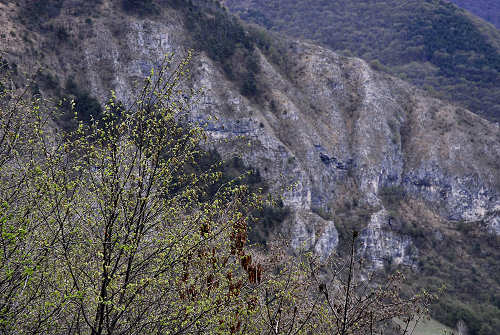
218	35
249	86
377	65
86	107
266	222
46	9
4	65
36	12
47	80
62	34
140	7
392	195
481	319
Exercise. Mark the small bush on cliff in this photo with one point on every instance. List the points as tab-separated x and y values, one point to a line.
392	195
139	7
79	103
267	222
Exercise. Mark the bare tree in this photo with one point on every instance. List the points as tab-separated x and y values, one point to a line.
307	296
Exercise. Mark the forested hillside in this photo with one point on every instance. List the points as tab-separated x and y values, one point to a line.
430	43
488	10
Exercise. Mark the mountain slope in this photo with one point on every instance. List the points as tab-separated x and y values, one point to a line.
488	10
419	178
430	43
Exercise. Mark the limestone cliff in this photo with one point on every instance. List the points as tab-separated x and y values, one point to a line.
330	126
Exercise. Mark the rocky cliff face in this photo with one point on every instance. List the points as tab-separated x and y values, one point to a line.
381	246
330	127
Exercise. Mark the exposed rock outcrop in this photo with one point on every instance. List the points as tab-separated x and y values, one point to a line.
383	245
328	123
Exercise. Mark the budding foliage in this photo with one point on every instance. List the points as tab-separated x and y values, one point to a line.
111	229
116	228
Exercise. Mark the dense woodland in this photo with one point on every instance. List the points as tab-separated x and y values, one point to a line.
488	10
430	43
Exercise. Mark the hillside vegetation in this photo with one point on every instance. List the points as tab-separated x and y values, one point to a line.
488	10
430	43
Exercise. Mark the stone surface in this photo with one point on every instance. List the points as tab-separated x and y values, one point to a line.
327	124
383	246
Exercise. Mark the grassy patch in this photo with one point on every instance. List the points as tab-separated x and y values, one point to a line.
428	327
